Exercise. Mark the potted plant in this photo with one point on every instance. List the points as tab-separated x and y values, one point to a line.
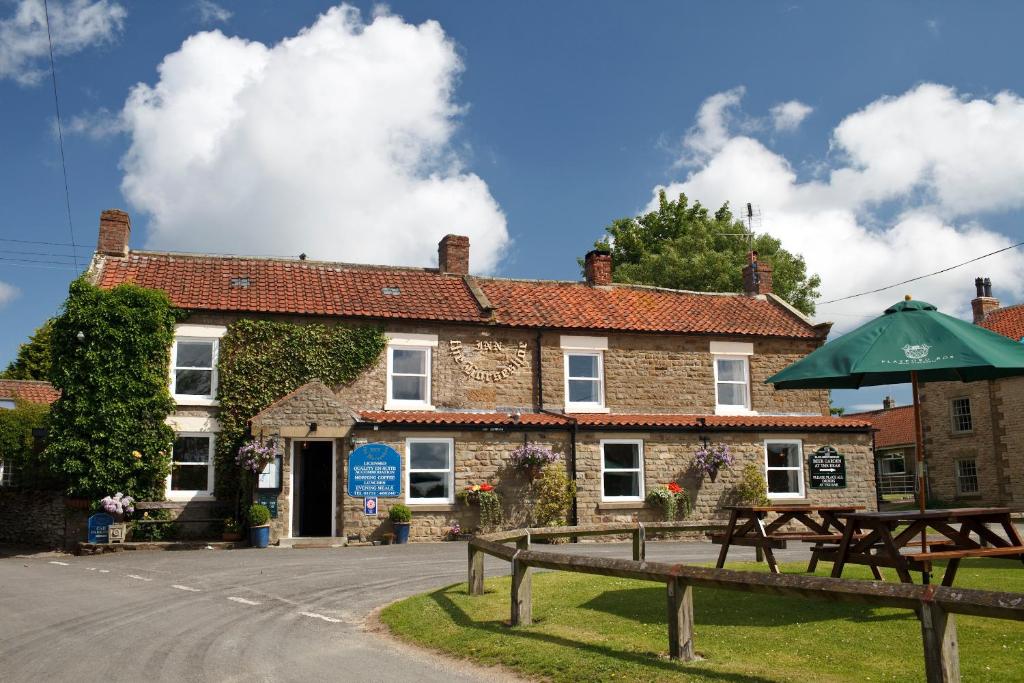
484	496
259	526
400	516
672	499
232	530
531	459
709	459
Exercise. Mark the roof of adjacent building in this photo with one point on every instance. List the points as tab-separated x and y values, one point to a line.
895	426
31	391
618	421
1008	321
270	285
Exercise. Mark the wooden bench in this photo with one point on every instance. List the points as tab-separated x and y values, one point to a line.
772	541
954	557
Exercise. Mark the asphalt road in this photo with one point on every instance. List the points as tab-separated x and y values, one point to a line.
246	615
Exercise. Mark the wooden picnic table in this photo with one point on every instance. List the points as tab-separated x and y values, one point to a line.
821	523
876	539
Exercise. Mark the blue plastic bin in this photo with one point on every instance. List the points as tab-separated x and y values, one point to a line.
401	532
259	536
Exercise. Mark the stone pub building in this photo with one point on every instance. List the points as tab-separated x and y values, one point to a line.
624	381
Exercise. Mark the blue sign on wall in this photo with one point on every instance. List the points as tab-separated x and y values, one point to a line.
99	528
375	471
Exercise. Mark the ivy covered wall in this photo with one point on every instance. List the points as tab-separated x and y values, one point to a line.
111	354
263	360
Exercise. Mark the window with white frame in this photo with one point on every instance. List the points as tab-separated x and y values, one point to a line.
784	468
6	474
960	413
732	376
194	364
892	463
191	466
967	476
622	470
430	471
7	404
408	372
584	373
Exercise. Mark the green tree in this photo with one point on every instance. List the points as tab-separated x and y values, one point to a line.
34	356
684	246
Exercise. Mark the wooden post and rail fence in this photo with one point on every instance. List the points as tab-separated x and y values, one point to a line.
935	606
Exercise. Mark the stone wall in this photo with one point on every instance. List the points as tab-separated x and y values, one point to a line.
40	519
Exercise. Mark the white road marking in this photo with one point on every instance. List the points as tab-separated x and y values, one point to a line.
63	564
242	601
314	615
140	578
104	571
186	588
90	569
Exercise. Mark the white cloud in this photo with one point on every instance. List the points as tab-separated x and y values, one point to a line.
336	142
96	125
712	130
933	27
787	116
915	172
210	12
75	25
7	293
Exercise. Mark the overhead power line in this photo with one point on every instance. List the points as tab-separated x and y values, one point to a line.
920	277
60	129
49	244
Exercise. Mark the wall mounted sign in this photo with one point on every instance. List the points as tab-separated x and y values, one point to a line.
270	477
370	507
827	468
99	528
375	471
510	357
270	500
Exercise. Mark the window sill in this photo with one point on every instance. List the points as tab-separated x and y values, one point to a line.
961	435
787	498
622	505
732	410
186	497
409	406
195	401
587	409
431	507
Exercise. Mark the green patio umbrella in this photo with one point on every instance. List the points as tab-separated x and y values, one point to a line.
912	342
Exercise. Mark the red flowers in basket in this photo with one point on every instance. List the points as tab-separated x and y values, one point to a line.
476	488
674	487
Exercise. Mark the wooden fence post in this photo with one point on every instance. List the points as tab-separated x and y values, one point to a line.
680	620
522	593
941	649
476	571
639	543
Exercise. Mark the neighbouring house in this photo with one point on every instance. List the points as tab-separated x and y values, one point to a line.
895	447
29	391
974	431
626	382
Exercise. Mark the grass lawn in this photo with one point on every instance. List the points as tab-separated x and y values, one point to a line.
590	628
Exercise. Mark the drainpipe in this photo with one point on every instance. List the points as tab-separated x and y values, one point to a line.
538	373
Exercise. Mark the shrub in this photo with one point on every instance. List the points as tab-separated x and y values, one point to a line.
752	488
400	513
555	493
19	450
166	531
259	515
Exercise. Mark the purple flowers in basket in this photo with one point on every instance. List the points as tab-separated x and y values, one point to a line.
254	455
710	459
532	457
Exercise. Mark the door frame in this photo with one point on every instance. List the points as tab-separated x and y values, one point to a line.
334	483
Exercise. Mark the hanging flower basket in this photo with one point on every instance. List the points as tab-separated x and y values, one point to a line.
530	459
709	460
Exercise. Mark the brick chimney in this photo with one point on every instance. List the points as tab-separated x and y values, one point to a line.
984	303
115	227
888	403
453	254
598	267
757	276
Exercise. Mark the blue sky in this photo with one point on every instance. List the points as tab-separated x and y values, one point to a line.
529	126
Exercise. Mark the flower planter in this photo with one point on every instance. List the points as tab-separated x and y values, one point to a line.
259	536
231	536
401	532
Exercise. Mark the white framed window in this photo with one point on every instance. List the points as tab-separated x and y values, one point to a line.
732	384
967	476
409	371
960	415
7	404
584	373
430	471
192	466
622	470
892	463
784	469
6	474
194	364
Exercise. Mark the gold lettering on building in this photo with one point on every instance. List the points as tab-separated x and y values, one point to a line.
514	358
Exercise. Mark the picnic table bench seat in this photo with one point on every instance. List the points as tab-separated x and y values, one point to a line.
961	553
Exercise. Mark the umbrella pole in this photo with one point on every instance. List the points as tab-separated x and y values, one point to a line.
919	456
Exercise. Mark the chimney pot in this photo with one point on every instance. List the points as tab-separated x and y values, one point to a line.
757	276
984	303
598	267
888	403
453	254
115	228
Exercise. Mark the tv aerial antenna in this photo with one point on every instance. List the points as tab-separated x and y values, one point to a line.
752	219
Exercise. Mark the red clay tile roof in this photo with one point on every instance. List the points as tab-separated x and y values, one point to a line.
895	426
1008	322
28	390
303	287
602	420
